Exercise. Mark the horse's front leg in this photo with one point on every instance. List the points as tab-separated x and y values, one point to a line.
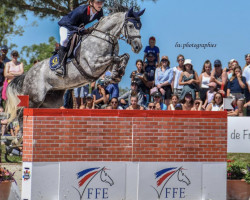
118	69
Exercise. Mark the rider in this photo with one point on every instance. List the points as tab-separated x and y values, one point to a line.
70	24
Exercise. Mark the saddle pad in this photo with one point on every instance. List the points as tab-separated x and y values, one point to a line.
54	62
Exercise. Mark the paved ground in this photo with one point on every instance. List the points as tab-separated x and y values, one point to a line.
17	168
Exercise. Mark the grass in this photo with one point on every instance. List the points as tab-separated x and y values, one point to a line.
14	159
242	157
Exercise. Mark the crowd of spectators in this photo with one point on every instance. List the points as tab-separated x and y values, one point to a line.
157	86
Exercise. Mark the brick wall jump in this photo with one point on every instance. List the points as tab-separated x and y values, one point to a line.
54	135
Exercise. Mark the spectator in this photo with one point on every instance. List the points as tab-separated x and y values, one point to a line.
188	79
152	49
67	100
188	101
1	78
112	88
204	79
114	103
217	103
246	74
247	59
174	101
132	92
13	68
158	101
231	64
151	106
197	105
149	69
234	111
236	88
163	79
4	51
178	106
138	76
80	93
100	95
219	77
176	75
134	104
210	94
89	104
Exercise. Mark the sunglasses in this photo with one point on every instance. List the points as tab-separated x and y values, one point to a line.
151	107
15	55
157	97
180	60
114	102
164	60
217	65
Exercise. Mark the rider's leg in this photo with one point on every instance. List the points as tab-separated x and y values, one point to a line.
64	39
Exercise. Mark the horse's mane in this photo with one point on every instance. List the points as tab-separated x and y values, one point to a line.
104	18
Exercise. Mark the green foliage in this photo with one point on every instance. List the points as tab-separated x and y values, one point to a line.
58	8
238	166
38	52
8	17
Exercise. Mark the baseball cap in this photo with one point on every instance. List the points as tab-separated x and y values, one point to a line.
100	82
150	54
4	47
217	62
89	96
212	84
178	106
157	94
134	82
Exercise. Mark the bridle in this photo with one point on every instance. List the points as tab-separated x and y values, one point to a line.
114	39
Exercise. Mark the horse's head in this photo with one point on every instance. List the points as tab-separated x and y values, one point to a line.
182	177
131	29
106	178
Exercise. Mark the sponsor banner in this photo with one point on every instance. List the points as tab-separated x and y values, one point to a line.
26	180
170	181
92	180
238	132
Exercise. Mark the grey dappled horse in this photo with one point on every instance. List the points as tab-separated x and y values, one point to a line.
98	53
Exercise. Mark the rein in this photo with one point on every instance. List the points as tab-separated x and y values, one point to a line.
126	37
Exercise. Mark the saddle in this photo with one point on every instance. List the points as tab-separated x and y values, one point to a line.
73	48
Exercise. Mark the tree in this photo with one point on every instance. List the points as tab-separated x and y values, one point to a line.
38	52
8	17
58	8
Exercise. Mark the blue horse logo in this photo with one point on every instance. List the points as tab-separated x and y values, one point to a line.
164	175
87	175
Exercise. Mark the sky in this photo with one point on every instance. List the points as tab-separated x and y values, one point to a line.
223	24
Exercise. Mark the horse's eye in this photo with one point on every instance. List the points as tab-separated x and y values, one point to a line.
131	26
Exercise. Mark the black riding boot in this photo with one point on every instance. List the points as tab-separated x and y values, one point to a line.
61	70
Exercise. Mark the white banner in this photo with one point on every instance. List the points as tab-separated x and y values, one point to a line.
238	135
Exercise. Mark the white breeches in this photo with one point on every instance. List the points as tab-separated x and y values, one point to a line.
64	36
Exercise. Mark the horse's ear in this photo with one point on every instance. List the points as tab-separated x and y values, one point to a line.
130	12
140	13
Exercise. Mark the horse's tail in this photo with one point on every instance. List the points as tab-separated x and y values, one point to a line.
13	90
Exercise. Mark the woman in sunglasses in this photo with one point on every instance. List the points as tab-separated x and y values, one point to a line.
217	103
13	68
114	104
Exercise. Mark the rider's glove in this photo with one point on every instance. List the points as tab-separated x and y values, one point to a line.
86	31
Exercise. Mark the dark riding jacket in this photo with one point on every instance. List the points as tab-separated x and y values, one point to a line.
79	16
